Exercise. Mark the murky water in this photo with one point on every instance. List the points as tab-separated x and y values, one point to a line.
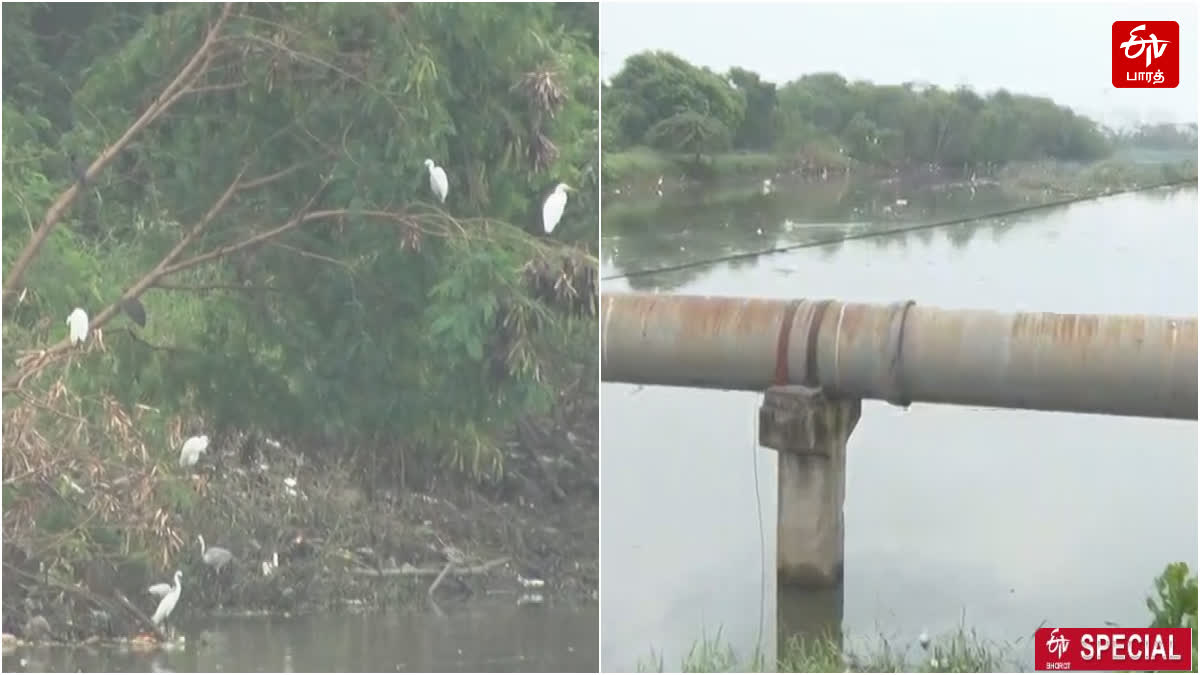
489	637
996	519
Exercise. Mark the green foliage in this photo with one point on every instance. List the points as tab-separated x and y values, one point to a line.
690	133
1175	606
1168	137
370	328
876	124
757	131
653	86
960	651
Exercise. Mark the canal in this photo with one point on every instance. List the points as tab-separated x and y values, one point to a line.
991	520
480	637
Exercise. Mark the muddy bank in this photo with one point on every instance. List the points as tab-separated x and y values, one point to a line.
344	537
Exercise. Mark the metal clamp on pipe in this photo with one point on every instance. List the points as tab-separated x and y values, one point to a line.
893	382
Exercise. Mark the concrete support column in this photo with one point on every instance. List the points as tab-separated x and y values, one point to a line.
810	432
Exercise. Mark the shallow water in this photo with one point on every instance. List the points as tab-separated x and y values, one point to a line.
996	519
486	637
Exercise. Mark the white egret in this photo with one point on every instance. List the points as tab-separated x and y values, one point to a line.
437	180
167	604
159	589
215	557
192	449
552	209
269	566
77	325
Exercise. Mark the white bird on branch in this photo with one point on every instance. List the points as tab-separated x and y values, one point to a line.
437	180
552	209
77	325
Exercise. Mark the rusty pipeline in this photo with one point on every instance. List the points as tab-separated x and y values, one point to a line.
1136	365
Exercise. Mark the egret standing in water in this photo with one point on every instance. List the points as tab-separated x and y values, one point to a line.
437	180
552	209
77	325
192	449
170	599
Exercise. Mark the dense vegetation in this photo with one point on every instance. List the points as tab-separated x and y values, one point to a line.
662	102
251	177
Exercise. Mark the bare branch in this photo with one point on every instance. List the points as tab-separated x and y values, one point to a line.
309	254
294	222
54	214
217	87
34	364
215	287
271	178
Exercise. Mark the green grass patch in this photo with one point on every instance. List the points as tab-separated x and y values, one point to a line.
1173	603
962	651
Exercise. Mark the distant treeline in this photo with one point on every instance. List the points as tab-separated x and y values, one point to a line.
1158	137
661	101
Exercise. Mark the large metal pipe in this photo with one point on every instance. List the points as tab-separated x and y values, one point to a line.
1134	365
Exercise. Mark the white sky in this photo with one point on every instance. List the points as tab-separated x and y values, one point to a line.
1053	49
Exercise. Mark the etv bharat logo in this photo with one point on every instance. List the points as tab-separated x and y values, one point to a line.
1145	54
1057	644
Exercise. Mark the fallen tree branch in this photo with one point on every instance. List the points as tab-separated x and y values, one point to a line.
438	581
407	570
97	600
191	71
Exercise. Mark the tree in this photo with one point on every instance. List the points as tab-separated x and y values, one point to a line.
690	133
653	86
757	130
254	176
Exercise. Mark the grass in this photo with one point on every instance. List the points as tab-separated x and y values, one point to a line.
1172	604
962	651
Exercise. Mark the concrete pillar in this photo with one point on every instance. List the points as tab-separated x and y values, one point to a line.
810	432
807	614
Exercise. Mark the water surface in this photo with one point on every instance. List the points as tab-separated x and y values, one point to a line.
999	519
487	637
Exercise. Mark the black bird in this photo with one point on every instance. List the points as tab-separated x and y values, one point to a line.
133	307
78	169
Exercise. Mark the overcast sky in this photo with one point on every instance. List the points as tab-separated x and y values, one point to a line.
1056	50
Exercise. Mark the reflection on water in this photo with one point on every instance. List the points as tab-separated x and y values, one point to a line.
487	638
666	233
1001	519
